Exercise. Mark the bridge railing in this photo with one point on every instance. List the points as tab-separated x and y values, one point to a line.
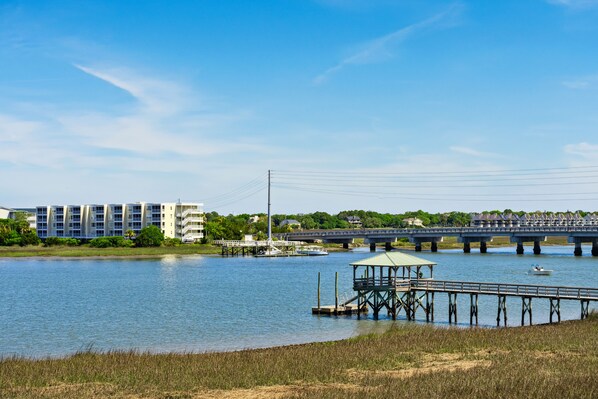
539	230
507	289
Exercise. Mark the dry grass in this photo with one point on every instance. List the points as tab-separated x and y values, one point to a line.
87	251
546	361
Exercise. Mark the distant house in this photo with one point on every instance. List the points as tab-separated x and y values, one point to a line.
11	213
534	219
413	222
294	224
354	221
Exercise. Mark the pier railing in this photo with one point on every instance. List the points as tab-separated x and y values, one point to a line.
264	243
381	283
537	291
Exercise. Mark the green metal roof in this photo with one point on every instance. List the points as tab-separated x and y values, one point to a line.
389	259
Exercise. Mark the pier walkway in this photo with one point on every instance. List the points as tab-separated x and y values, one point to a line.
396	282
242	247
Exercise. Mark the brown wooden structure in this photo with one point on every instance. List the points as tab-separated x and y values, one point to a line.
398	282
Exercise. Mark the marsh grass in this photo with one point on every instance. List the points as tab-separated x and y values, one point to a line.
87	251
410	360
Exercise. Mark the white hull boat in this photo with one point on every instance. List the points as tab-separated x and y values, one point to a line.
539	271
312	251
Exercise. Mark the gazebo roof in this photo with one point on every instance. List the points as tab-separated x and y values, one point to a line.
394	259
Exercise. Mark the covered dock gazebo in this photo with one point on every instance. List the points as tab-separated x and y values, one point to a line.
384	281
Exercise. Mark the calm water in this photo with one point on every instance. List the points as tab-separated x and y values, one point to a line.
56	307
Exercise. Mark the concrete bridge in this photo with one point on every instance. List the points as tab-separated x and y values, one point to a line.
466	235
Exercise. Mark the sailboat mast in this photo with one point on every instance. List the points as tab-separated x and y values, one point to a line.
269	215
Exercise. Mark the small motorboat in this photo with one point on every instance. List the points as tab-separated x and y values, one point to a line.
538	270
311	251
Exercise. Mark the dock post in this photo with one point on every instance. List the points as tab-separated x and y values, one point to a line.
432	307
537	248
502	306
452	307
358	305
336	292
526	307
555	307
483	247
585	304
427	307
473	308
318	290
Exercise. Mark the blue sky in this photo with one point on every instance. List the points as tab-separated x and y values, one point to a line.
122	101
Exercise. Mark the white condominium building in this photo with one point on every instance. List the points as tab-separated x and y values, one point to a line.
176	220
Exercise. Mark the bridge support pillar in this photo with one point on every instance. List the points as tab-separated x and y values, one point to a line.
345	245
388	246
577	251
483	247
466	247
520	249
595	248
537	248
434	246
372	247
418	247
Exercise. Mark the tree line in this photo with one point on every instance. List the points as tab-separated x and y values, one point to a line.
234	227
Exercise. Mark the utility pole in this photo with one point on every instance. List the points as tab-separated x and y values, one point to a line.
269	216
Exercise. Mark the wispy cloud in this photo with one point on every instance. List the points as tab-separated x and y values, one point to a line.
581	83
576	4
156	96
584	150
472	152
380	49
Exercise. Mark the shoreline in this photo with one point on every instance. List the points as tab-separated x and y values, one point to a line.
413	360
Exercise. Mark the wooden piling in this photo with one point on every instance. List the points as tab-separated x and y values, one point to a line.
318	290
336	291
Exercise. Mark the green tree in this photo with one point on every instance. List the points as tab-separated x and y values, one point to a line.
130	234
150	236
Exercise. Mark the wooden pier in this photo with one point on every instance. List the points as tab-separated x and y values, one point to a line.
257	248
396	282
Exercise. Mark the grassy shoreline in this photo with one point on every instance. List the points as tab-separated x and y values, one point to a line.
85	251
544	361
